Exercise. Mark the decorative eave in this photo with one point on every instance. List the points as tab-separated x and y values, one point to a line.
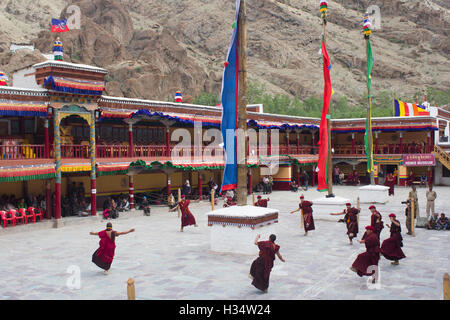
24	92
69	65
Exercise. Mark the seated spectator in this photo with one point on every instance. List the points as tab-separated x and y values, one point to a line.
293	185
432	220
411	179
341	177
442	222
145	205
124	205
21	204
171	201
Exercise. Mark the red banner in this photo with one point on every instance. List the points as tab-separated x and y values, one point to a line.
419	160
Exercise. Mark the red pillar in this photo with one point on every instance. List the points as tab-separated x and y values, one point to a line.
48	200
57	200
93	197
313	140
131	191
250	185
376	143
353	144
169	191
200	183
298	143
401	143
130	140
167	142
46	140
428	148
288	143
314	173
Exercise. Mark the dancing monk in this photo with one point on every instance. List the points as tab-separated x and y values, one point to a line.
262	266
391	248
365	262
104	255
187	218
351	220
376	221
306	208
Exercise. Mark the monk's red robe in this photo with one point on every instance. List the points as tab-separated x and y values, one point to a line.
308	220
187	218
262	266
370	257
261	203
104	255
376	221
351	219
390	182
391	247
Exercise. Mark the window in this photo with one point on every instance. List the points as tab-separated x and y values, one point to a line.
29	125
15	127
445	172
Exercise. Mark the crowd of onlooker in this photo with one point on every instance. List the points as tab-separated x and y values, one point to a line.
12	203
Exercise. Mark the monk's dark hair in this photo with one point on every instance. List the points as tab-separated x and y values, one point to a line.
113	233
273	237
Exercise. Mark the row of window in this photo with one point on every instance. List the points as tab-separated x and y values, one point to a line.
156	135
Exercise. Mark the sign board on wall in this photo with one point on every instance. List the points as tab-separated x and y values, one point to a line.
419	160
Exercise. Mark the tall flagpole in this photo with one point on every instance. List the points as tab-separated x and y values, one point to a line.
323	10
242	108
367	33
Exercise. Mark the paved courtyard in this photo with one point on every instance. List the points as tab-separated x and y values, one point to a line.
168	264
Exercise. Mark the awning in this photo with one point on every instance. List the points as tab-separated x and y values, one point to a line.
22	109
25	173
76	86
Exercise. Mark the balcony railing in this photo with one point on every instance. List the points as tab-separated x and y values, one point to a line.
359	150
20	152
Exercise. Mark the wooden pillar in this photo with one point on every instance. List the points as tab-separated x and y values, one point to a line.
269	143
46	140
250	185
131	191
446	286
200	184
130	141
131	291
401	143
298	142
58	179
93	171
298	174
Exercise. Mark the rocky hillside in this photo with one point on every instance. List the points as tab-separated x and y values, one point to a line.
153	48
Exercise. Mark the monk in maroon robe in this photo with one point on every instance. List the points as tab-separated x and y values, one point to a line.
261	202
365	262
391	248
390	182
262	266
410	179
187	218
376	221
104	255
308	220
351	220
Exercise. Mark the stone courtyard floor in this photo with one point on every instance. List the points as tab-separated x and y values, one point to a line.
168	264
